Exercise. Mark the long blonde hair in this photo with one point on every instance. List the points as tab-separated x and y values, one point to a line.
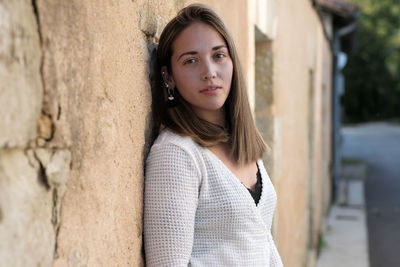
241	133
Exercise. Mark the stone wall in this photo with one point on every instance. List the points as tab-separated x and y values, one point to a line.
75	115
33	175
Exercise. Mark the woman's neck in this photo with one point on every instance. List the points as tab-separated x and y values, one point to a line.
213	116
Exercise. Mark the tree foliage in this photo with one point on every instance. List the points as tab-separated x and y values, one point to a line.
373	70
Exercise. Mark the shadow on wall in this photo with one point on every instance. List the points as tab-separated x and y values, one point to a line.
151	130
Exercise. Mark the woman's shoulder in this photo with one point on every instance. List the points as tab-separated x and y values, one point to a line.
170	144
175	150
168	137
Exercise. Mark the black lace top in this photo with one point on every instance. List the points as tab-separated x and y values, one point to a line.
256	194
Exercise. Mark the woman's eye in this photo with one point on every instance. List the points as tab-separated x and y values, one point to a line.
189	61
220	55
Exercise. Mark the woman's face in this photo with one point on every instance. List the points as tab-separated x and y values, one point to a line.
201	70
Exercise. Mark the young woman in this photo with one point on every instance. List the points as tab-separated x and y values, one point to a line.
208	199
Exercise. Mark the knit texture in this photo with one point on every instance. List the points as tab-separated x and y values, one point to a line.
197	213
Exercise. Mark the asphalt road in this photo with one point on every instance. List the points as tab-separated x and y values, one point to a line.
378	144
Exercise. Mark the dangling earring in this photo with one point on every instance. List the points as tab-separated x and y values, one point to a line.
171	102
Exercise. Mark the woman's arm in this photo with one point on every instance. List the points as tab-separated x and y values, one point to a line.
170	202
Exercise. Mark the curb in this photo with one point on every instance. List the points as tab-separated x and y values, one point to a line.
345	238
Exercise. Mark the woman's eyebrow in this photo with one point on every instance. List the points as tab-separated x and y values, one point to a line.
218	47
195	52
187	53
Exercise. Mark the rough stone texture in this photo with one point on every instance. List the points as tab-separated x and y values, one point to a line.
267	121
31	191
26	231
20	87
96	58
264	109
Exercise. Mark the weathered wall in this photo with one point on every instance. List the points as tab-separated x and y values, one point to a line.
301	94
320	140
96	84
75	104
32	175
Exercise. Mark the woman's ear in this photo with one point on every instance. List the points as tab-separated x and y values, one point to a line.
167	78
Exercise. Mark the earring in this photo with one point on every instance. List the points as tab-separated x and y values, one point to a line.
171	102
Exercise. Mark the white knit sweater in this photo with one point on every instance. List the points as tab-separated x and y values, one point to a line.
197	213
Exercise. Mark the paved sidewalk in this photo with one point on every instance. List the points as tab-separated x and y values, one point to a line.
378	145
345	239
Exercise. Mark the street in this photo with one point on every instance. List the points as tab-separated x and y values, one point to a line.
378	144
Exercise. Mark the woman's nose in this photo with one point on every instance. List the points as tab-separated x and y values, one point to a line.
209	71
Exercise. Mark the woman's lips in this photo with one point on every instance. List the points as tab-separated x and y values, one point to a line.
210	90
